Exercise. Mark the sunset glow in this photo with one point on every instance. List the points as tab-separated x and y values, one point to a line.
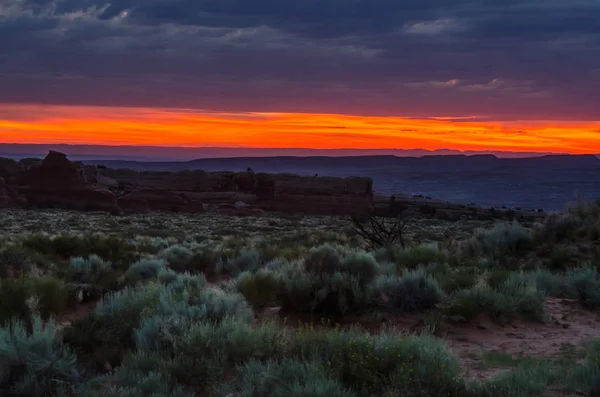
191	128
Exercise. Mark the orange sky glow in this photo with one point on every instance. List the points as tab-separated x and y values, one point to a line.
51	124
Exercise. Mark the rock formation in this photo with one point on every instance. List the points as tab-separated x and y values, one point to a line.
288	193
56	182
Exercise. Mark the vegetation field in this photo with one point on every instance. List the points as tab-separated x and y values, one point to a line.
214	306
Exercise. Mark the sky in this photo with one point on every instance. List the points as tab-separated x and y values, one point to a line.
459	74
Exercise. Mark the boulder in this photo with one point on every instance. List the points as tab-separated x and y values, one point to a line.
145	200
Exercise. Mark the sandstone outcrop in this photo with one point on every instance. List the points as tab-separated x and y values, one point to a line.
56	182
289	193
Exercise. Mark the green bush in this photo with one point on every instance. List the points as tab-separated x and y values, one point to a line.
21	298
35	363
505	239
12	258
497	277
384	363
260	288
584	284
335	294
362	265
247	261
111	248
14	295
51	293
558	227
293	378
516	296
145	269
104	335
457	280
323	261
585	378
412	293
177	257
420	255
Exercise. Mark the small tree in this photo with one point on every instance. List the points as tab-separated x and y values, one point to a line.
384	232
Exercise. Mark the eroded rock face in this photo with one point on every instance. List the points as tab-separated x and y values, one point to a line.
145	200
58	183
289	193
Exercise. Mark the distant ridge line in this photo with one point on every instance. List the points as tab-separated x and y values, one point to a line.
174	153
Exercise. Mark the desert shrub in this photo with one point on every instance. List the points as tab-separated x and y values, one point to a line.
14	295
111	248
585	378
203	261
585	209
516	296
497	277
519	296
362	265
328	282
293	378
90	270
51	295
207	304
465	306
195	353
456	280
559	258
558	227
104	335
21	298
12	258
260	288
412	293
131	381
419	255
323	260
247	261
584	284
529	378
546	282
275	264
505	239
177	257
35	363
384	363
145	269
329	294
88	266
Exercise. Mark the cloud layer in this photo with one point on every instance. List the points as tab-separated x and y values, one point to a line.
513	59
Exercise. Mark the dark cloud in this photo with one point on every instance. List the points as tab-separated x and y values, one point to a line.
516	58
